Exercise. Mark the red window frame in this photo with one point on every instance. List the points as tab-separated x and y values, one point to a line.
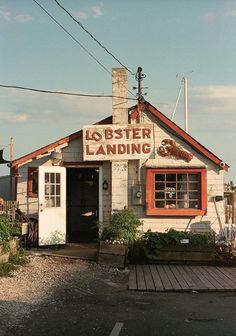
31	171
150	191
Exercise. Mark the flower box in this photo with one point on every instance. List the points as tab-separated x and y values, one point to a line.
183	254
112	254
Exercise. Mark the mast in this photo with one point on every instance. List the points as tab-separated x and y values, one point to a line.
185	81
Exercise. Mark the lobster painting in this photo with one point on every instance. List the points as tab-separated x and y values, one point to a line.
170	148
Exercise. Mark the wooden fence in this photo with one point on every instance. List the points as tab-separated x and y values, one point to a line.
9	208
230	214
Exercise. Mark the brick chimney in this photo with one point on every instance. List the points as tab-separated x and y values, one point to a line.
119	89
119	169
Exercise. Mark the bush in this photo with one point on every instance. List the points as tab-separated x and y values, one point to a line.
154	241
6	231
123	227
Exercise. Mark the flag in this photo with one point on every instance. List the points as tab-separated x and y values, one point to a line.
2	161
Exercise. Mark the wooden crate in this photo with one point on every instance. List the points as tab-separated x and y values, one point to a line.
112	254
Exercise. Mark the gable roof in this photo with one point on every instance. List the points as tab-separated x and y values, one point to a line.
164	121
180	133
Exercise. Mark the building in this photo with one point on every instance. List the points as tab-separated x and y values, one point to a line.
137	158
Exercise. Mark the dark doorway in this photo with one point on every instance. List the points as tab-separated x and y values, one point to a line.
82	204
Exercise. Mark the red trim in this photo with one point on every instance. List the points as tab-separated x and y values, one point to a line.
151	210
49	147
81	164
185	136
30	193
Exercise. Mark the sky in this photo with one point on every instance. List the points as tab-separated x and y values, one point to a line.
169	39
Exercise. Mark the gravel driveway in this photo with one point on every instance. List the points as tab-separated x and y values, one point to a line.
36	283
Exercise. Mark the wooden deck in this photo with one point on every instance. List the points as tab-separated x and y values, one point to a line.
181	278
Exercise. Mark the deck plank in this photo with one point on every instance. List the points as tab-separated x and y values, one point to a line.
165	280
211	277
201	275
140	278
198	284
148	278
156	278
229	271
225	281
132	277
179	276
191	284
175	284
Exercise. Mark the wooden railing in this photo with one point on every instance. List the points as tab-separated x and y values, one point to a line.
230	214
9	208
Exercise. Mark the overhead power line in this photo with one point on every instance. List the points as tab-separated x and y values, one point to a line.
79	43
63	92
73	38
93	37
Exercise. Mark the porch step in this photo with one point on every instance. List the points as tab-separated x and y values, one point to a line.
87	251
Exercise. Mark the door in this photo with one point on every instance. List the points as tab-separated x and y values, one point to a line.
82	204
52	205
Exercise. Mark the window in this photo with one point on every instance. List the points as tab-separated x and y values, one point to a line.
32	186
52	189
176	192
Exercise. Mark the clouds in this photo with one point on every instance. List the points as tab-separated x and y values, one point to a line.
8	16
215	98
40	109
213	17
12	117
94	11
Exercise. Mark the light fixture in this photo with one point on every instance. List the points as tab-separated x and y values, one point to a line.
56	157
105	185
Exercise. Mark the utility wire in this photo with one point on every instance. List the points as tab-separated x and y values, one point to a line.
80	44
63	92
94	38
67	32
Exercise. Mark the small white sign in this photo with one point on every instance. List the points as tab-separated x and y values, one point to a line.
117	142
184	241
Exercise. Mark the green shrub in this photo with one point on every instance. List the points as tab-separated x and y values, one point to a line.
123	227
6	230
154	241
6	269
20	257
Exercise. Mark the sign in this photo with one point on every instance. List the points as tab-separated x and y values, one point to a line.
117	142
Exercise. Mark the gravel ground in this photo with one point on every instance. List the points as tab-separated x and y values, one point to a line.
36	283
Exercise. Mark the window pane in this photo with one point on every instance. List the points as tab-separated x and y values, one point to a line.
52	175
46	177
58	201
159	204
193	186
159	195
170	193
182	204
52	190
35	182
159	177
58	189
193	195
182	186
194	204
58	178
182	195
171	204
170	177
170	185
160	186
193	177
182	177
47	189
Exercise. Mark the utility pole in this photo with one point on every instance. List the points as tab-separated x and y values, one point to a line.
185	81
11	169
139	77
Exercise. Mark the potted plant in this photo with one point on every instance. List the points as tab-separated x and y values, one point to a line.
118	238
